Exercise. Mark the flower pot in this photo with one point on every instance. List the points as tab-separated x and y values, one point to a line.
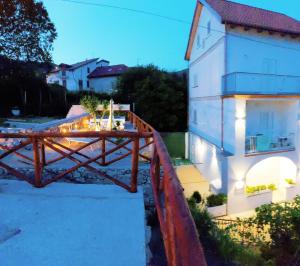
217	211
15	111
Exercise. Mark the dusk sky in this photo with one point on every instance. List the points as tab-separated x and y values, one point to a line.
124	37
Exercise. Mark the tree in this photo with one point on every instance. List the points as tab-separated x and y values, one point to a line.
160	97
26	31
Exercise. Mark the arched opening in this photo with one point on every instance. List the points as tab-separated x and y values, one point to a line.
275	173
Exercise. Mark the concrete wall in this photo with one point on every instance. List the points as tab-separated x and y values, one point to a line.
105	84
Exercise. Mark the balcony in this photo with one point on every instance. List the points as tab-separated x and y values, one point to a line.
257	83
261	143
270	126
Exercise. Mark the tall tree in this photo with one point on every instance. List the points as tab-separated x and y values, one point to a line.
26	31
160	97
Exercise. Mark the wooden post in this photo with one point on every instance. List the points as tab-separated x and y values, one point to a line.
135	165
37	163
43	154
103	151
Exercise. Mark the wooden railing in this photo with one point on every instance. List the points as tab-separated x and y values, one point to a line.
182	245
181	241
39	141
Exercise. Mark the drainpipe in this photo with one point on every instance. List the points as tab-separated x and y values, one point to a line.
222	124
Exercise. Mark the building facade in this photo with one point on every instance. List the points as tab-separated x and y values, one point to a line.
244	99
75	77
104	78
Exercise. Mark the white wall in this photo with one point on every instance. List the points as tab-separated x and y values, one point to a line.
105	84
54	78
206	68
262	53
210	162
229	113
207	122
207	59
73	76
77	74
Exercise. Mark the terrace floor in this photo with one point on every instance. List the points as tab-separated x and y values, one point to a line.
69	224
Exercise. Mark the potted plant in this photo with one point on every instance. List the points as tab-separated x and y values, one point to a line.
255	190
289	182
217	204
15	111
90	104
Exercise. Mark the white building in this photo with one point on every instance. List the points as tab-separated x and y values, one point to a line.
244	99
74	77
104	78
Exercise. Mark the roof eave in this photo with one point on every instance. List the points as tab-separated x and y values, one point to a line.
228	22
193	30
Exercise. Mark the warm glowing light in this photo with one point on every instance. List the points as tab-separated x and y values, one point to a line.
240	111
217	183
239	184
274	170
64	130
76	126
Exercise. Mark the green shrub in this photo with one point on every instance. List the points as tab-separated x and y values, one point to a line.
197	196
216	200
290	181
219	241
255	189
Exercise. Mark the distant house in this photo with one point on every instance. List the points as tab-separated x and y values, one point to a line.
74	77
104	78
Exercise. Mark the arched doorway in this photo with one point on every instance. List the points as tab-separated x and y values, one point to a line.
276	172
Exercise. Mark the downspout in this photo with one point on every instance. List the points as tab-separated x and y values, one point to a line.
222	94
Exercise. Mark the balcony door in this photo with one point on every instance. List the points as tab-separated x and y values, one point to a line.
267	123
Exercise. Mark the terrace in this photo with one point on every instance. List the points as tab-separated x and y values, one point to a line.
75	144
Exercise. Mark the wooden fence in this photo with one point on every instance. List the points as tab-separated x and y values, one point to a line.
181	241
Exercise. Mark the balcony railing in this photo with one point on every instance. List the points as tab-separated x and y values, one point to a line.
262	143
257	83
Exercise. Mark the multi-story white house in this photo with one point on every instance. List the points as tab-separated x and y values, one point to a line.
104	78
74	77
244	102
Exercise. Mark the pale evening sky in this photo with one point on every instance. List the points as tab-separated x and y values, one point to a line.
124	37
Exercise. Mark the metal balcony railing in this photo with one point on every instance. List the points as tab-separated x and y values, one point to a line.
263	143
258	83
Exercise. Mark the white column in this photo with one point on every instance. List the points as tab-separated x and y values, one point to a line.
240	127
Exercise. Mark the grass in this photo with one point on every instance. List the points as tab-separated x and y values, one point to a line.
175	143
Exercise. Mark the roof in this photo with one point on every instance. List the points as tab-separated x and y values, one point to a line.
244	15
80	64
235	13
73	66
107	71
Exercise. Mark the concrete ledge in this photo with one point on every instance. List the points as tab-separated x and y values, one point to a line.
67	224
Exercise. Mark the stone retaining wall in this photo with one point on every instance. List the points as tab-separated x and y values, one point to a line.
83	176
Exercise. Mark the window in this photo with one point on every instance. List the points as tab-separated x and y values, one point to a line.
87	84
88	70
195	116
80	84
208	27
64	83
195	80
198	41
